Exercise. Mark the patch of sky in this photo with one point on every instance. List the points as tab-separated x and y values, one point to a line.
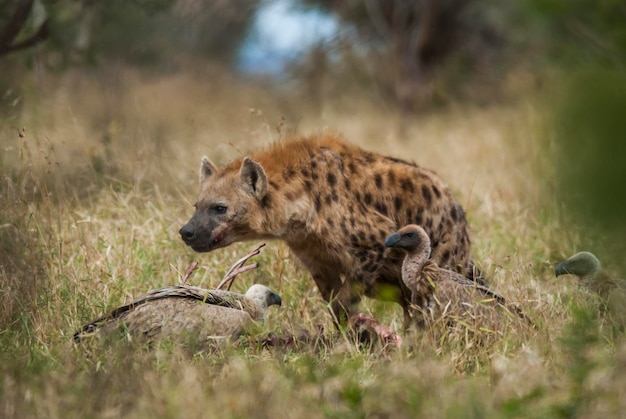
281	34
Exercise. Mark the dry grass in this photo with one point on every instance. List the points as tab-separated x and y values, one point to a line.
91	201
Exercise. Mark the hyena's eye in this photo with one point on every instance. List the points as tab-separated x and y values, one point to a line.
218	209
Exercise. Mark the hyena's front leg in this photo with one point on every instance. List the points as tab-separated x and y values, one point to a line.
328	281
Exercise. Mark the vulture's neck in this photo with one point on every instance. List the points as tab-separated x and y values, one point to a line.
412	268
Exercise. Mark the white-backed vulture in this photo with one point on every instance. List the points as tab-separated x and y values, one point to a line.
612	291
184	311
441	295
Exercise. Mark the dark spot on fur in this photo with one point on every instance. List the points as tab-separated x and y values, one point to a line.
396	160
266	202
362	234
305	172
418	219
382	233
314	176
354	240
379	247
352	167
330	222
369	267
288	173
429	225
392	176
437	192
397	203
313	164
332	180
378	180
427	195
344	228
318	203
445	257
369	157
357	196
335	197
346	183
308	186
382	208
327	199
289	196
368	198
454	214
407	185
352	222
274	185
373	237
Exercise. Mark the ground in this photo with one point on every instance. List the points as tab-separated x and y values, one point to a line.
93	195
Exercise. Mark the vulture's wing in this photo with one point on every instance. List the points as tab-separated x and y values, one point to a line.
176	310
462	289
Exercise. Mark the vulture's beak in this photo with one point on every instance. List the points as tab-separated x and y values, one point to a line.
561	269
392	240
274	299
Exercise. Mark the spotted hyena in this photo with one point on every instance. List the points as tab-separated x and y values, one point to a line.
333	204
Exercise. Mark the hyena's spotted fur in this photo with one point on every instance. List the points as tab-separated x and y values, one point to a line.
333	204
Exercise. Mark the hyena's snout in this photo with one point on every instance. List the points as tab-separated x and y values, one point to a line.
187	233
203	238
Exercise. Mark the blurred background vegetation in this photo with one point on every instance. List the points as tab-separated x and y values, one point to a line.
415	53
410	56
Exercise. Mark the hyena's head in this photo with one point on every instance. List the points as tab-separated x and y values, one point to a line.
229	208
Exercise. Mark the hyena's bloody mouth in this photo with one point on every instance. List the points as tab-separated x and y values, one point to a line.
218	238
215	242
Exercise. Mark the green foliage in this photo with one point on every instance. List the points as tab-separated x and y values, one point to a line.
580	31
591	156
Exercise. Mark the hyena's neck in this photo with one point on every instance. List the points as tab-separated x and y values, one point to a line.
290	221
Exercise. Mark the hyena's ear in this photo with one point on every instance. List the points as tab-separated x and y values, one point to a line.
253	178
207	169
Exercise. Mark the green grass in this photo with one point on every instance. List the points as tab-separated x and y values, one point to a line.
91	201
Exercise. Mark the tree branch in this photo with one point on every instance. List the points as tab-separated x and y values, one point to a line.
16	24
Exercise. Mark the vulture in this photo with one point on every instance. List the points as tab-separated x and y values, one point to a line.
439	294
612	291
185	311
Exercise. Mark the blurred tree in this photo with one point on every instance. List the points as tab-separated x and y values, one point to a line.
414	37
139	32
159	35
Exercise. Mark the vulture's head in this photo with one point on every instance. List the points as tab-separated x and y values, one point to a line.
412	238
263	296
582	264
